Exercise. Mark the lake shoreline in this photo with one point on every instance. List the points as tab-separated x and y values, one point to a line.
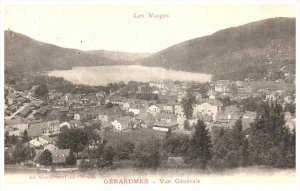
102	75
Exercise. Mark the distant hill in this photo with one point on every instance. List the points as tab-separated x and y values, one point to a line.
119	56
26	54
249	50
252	50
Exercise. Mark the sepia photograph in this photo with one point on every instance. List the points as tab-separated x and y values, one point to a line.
102	95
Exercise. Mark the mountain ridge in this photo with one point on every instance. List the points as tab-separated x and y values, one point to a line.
231	48
23	53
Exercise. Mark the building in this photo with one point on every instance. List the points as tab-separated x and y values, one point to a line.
165	126
38	142
155	109
209	107
122	123
145	119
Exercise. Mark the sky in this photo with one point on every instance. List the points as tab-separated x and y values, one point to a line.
118	27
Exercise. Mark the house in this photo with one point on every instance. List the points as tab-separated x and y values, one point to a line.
272	97
105	117
42	112
25	112
50	147
221	87
107	126
49	139
155	108
16	129
248	118
289	99
11	98
64	110
82	115
169	107
59	156
52	128
38	142
165	126
134	110
70	113
77	116
115	99
49	128
210	107
178	109
231	112
108	114
159	84
36	129
76	124
241	96
211	94
37	104
168	117
181	94
163	91
132	105
155	92
145	119
122	123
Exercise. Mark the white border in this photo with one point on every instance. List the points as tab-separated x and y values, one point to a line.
144	187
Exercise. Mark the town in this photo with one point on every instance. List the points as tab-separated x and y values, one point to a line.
124	114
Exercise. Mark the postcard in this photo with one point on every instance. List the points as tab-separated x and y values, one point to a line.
154	95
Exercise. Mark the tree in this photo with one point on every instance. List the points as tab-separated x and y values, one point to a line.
45	158
25	138
20	153
8	159
71	160
124	149
199	152
186	125
13	140
230	148
187	104
148	154
237	136
6	138
42	90
73	139
270	141
221	148
108	154
175	145
109	105
245	152
290	108
104	154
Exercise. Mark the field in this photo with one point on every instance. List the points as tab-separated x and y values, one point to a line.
134	136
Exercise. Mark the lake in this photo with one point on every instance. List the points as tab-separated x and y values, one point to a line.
102	75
